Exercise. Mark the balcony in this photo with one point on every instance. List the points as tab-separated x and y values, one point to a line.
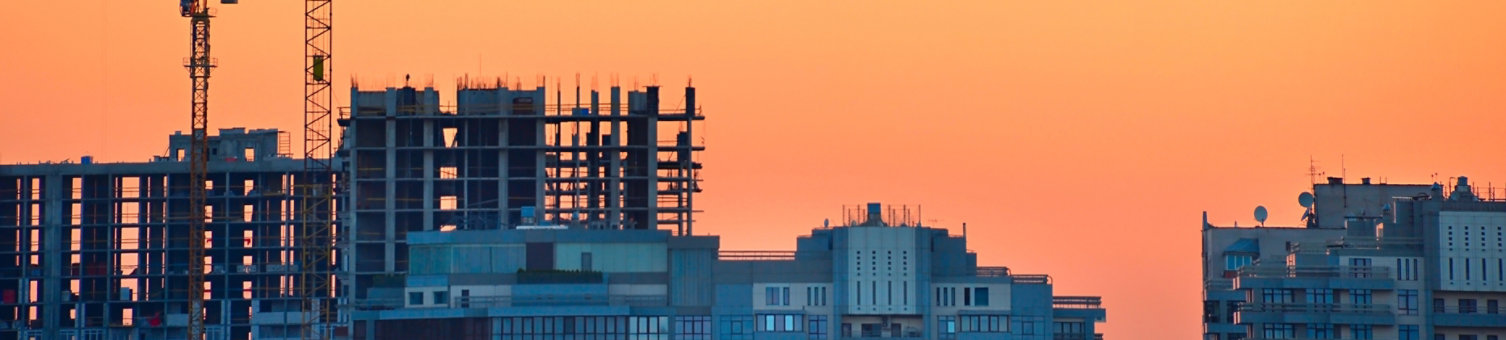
558	300
1468	316
1085	307
1342	277
1346	272
1314	313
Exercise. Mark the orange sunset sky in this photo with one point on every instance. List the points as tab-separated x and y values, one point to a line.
1077	138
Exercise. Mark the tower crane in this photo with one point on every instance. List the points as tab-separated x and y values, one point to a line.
316	286
199	63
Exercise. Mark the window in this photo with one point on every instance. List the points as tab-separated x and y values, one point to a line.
1361	332
1320	296
738	327
1467	306
1319	331
690	327
1438	306
981	298
946	326
780	322
1360	296
1233	307
985	323
1075	328
817	327
416	298
1236	261
1275	295
1027	327
1361	267
1406	301
967	296
776	296
1210	311
1279	331
1492	307
442	297
1406	332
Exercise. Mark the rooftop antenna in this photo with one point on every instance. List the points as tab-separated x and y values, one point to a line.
1260	214
1312	170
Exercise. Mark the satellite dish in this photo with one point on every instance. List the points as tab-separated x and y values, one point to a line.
1260	214
1305	199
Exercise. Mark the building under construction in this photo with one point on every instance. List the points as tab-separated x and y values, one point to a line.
504	158
98	251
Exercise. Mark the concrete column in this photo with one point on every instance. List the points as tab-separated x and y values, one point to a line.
614	163
503	190
53	192
389	247
428	169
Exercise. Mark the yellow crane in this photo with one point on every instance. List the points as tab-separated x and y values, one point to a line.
199	64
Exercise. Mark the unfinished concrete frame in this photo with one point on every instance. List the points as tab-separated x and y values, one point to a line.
100	249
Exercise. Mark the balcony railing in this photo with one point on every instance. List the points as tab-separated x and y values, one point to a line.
1467	309
1038	279
1076	302
558	300
993	271
1314	308
1354	272
755	255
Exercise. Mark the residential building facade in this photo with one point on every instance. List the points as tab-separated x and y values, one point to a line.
1407	262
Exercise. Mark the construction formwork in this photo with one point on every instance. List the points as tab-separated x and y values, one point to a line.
507	158
99	251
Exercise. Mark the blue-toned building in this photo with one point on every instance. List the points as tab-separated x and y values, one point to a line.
867	280
1376	261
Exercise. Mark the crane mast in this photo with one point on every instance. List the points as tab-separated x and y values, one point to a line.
199	64
316	285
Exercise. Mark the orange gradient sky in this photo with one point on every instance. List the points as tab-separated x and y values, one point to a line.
1076	138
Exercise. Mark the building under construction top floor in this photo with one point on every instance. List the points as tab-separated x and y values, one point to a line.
503	158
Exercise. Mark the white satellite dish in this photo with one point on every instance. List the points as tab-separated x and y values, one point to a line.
1261	214
1305	199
